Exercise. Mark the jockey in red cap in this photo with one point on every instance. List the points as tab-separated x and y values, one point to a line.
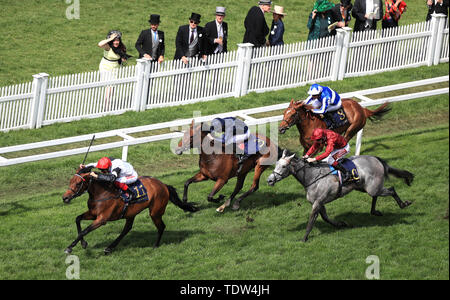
337	147
115	170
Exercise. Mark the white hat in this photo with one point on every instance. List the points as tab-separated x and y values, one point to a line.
279	10
220	11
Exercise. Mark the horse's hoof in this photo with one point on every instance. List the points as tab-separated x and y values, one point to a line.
407	203
68	251
342	224
220	209
108	251
235	207
376	213
84	244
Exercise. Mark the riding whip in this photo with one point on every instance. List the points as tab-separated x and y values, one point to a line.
88	150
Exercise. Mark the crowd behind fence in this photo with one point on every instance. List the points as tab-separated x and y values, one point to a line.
148	85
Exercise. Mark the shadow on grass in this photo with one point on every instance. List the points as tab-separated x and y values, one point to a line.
357	220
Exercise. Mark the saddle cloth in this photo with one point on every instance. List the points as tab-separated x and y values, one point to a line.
335	119
252	145
140	191
349	166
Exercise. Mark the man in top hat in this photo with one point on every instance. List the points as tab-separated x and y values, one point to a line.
150	43
216	33
189	41
256	28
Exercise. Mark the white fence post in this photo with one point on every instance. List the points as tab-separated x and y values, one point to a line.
432	43
36	91
42	99
439	37
145	84
358	142
344	52
337	54
243	69
139	73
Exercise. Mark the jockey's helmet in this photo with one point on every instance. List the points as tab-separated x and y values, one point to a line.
315	89
104	163
317	134
217	125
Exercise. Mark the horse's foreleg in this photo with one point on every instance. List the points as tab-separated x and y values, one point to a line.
96	224
126	229
312	219
323	214
259	169
237	188
196	178
217	187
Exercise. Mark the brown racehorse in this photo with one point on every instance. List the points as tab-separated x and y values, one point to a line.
221	167
301	115
105	204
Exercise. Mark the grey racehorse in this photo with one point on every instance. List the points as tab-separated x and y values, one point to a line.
323	187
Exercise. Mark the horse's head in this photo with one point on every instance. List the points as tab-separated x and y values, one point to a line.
281	170
191	138
291	116
78	184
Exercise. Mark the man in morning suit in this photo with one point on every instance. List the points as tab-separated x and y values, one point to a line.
150	43
189	41
216	34
256	28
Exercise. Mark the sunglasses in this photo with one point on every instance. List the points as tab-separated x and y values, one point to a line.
194	22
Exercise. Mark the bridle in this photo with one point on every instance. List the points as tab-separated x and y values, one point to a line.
79	192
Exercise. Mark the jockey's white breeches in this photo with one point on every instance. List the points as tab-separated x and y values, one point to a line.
337	154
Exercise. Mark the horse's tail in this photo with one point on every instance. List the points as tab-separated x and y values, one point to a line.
175	199
407	176
377	114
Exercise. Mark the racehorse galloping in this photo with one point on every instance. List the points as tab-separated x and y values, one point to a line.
221	167
105	204
322	187
300	114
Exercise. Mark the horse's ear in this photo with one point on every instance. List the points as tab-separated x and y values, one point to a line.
284	153
290	157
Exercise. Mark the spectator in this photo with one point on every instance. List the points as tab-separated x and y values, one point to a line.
150	43
342	13
437	7
216	33
393	11
277	28
320	18
256	28
189	41
367	13
114	53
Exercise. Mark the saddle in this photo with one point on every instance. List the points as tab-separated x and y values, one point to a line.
252	146
335	119
139	190
350	167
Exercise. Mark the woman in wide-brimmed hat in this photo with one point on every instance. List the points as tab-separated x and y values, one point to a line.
320	18
277	28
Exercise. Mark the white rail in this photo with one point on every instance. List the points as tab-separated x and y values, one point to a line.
128	140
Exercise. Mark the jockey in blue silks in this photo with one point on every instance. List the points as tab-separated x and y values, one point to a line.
231	131
323	99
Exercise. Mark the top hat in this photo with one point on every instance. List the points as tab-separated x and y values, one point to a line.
195	17
220	11
154	19
279	10
264	2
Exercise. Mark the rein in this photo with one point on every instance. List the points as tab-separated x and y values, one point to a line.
316	179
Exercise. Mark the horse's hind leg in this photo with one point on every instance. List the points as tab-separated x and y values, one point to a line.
259	169
373	211
128	225
157	220
391	192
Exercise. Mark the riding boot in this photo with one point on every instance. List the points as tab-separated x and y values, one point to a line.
131	194
241	159
345	173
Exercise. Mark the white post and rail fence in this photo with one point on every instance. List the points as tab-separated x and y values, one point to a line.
47	100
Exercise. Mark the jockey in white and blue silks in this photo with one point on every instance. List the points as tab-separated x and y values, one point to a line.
323	99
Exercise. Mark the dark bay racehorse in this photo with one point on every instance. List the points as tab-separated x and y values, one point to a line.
300	114
105	204
322	187
221	167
